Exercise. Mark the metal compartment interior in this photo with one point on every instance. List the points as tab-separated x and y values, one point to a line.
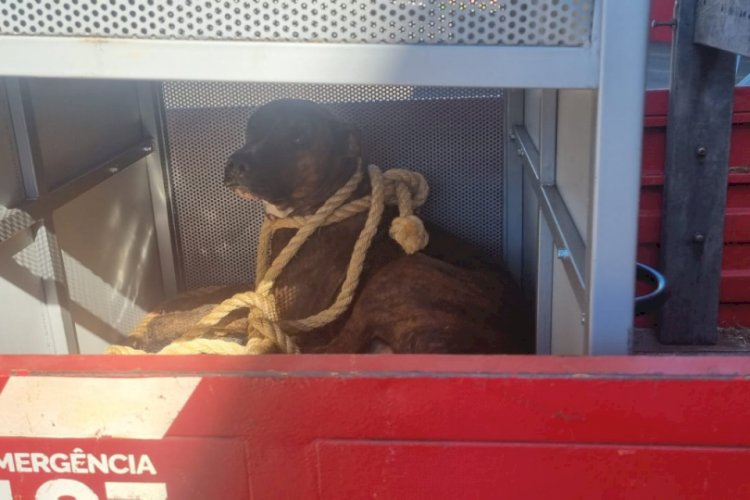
111	195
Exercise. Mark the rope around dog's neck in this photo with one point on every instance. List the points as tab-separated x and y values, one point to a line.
266	330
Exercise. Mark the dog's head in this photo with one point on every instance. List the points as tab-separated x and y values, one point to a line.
296	155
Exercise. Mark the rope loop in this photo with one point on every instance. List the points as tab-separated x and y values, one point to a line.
405	189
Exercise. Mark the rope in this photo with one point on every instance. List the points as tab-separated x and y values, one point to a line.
266	330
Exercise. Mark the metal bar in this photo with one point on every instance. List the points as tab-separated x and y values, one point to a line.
615	177
532	67
149	98
532	102
56	296
33	181
512	186
563	229
546	260
545	241
548	138
57	301
695	187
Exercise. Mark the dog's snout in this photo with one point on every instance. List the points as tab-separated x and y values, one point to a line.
240	163
237	166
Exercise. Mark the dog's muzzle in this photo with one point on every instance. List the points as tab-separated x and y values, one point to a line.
236	168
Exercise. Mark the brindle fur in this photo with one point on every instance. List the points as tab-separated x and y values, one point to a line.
447	299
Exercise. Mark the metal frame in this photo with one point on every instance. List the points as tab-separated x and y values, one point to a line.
613	63
513	185
35	214
512	66
56	298
572	249
613	216
151	103
601	270
545	240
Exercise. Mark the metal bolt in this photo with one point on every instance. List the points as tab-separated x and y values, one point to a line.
583	318
698	238
563	253
520	152
513	136
701	151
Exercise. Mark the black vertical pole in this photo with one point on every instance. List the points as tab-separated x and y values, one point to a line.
695	187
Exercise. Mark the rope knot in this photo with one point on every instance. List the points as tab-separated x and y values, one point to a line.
409	232
410	192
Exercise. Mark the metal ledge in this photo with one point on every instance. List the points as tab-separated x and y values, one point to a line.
571	247
335	63
30	211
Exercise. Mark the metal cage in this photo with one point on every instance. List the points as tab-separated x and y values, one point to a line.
528	110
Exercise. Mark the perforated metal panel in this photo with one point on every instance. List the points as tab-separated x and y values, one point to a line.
523	22
453	136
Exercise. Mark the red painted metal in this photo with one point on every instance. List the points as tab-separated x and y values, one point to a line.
186	467
512	470
735	276
430	426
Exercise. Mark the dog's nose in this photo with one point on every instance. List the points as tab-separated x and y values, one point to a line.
237	166
238	163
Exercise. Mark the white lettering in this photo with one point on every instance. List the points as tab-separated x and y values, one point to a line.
54	462
114	467
78	462
23	463
145	465
100	463
56	488
59	488
39	462
5	490
141	491
6	463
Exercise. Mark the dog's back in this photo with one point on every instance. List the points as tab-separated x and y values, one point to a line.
448	299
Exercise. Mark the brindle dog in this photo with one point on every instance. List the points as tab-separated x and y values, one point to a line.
446	299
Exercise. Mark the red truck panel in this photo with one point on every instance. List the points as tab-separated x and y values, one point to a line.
375	427
735	276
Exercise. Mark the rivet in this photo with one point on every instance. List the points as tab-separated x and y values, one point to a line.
699	238
701	151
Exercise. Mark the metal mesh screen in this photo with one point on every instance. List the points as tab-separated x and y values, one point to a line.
522	22
453	136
